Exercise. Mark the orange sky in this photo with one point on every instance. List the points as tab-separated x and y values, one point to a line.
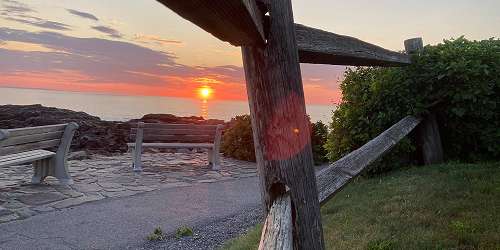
142	48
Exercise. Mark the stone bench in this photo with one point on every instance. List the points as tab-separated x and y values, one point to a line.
176	136
34	145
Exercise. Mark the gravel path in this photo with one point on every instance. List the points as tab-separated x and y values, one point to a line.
213	235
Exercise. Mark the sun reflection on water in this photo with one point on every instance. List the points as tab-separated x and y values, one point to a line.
204	108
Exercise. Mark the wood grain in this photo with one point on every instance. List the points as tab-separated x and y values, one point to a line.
179	126
30	146
277	229
331	179
17	140
36	130
238	22
201	131
26	157
429	141
322	47
280	125
173	145
414	45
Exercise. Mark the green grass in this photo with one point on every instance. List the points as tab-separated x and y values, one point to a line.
452	206
156	235
183	231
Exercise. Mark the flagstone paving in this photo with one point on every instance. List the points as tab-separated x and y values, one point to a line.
102	177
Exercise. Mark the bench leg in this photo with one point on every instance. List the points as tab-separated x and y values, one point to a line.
214	159
210	156
61	171
137	164
41	169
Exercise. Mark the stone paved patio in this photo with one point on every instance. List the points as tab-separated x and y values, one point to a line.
104	177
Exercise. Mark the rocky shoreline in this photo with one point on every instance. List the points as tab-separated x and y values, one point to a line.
94	134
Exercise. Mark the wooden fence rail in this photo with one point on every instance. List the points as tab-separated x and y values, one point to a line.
278	225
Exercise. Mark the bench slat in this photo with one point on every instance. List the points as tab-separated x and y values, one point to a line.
21	155
31	138
36	130
25	158
173	145
176	131
179	126
30	146
176	138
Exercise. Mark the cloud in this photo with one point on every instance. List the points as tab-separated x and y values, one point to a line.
65	62
83	14
147	39
41	23
14	7
109	31
19	12
103	60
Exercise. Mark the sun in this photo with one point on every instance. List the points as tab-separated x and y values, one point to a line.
205	92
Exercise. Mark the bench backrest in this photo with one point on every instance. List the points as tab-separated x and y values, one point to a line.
189	133
44	137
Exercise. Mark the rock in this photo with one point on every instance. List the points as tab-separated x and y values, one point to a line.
9	217
78	155
4	211
41	198
94	135
71	202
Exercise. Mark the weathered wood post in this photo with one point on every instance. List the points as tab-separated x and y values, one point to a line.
428	137
414	45
429	141
280	125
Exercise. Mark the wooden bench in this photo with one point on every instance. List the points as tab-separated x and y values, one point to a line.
175	136
31	145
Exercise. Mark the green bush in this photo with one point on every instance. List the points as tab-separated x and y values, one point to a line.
238	140
457	80
319	134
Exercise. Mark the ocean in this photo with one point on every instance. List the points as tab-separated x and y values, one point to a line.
123	107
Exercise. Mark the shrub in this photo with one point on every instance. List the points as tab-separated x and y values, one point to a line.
238	140
458	81
319	134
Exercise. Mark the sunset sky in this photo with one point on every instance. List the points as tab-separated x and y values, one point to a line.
142	48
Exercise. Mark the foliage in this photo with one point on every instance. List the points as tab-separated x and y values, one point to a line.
156	235
319	135
248	241
451	206
238	140
380	245
457	80
183	232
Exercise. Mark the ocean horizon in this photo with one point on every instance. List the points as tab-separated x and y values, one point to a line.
112	107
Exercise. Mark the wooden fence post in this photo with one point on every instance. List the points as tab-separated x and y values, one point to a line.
414	45
428	137
281	127
429	141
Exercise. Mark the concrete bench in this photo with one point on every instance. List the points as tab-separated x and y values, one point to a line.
33	145
176	136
